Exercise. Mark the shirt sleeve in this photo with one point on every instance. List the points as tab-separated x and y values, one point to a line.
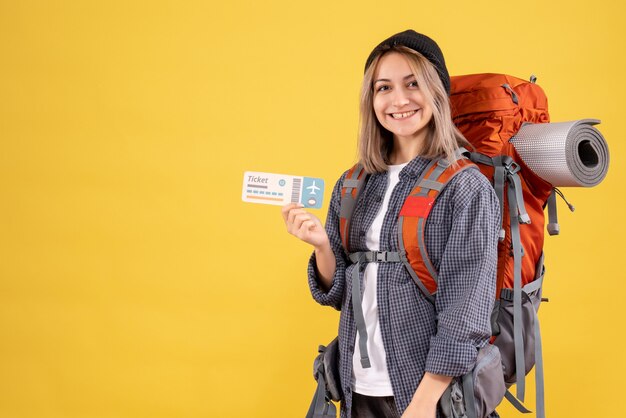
467	277
334	295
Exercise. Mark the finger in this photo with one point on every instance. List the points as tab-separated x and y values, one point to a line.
293	213
299	218
316	220
305	229
284	210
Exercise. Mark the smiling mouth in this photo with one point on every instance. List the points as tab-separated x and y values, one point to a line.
403	115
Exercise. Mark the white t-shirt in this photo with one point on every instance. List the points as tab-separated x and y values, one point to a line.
374	381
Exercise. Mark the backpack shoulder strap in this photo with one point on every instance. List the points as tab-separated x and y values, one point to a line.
412	218
351	188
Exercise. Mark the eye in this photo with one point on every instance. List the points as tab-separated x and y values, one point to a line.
382	87
413	84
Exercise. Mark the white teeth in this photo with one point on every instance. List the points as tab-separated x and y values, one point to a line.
403	115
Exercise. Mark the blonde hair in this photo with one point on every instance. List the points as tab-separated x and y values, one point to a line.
376	142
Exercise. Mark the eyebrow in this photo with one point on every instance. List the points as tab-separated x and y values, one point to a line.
386	79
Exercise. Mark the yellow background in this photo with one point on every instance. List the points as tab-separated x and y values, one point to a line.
133	280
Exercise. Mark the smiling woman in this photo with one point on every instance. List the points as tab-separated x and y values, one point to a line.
400	105
399	350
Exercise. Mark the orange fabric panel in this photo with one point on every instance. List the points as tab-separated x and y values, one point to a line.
424	275
409	236
417	206
485	113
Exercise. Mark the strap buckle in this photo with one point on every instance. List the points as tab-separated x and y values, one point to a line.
380	256
513	168
510	165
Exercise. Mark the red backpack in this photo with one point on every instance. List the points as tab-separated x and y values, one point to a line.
488	109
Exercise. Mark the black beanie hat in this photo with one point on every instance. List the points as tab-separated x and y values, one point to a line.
419	43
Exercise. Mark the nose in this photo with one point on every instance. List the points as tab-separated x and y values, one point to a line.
400	98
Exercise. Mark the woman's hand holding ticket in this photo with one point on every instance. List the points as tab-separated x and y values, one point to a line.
304	225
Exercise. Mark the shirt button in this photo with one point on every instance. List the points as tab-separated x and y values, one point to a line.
362	233
379	199
352	348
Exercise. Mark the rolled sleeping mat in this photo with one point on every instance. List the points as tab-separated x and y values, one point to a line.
564	153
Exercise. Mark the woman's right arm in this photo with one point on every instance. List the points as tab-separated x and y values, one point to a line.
327	264
308	228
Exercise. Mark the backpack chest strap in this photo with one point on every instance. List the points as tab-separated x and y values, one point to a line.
375	257
361	259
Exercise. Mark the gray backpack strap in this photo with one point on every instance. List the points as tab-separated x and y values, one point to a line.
360	259
504	169
359	318
499	175
461	152
347	205
535	286
532	287
321	406
511	168
498	185
516	404
348	201
468	395
516	242
553	221
539	385
477	157
512	171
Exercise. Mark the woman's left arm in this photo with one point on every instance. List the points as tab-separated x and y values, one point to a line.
465	289
424	402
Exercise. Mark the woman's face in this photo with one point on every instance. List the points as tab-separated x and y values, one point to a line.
399	104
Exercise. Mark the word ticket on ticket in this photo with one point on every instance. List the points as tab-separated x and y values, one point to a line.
280	189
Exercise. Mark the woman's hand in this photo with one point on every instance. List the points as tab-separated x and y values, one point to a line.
304	226
420	411
424	401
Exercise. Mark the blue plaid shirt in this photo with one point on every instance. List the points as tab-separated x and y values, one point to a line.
461	238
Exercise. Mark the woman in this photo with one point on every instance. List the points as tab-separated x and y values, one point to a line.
414	346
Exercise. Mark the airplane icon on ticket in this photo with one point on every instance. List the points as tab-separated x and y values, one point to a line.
313	188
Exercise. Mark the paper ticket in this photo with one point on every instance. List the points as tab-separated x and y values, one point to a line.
280	189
